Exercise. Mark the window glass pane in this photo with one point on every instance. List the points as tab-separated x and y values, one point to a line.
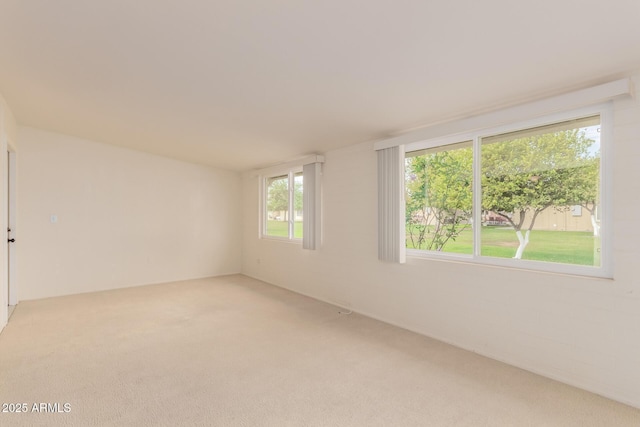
439	196
277	221
297	205
540	193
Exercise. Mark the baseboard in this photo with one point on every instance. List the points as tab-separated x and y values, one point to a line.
517	364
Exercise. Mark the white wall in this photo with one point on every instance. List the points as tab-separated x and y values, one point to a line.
124	218
581	331
7	138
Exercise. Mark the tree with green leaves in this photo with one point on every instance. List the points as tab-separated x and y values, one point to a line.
278	195
298	197
591	191
438	197
522	177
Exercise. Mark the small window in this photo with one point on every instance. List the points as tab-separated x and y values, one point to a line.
298	212
284	206
277	206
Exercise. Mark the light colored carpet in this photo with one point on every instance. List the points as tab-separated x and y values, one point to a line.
233	351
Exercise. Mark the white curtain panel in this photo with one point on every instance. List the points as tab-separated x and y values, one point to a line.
391	245
311	206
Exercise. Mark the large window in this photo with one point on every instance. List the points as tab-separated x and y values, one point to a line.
530	194
284	206
533	183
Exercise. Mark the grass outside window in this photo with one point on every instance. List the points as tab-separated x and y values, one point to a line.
570	247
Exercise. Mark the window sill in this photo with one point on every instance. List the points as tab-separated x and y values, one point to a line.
281	239
513	264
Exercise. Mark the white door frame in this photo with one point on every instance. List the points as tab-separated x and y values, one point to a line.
12	211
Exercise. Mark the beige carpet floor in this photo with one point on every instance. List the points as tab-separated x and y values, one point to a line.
233	351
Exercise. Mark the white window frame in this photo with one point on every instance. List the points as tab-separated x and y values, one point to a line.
312	194
290	173
605	111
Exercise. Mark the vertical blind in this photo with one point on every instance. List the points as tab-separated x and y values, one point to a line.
391	210
311	206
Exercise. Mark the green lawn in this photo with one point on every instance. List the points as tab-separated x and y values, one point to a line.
281	229
569	247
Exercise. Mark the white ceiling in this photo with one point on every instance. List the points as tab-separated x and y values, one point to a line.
244	84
